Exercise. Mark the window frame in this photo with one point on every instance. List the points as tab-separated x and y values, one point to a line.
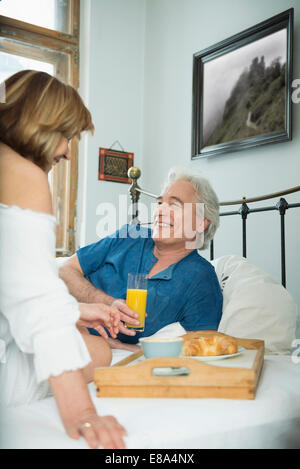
40	39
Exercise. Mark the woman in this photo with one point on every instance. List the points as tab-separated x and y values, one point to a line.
42	349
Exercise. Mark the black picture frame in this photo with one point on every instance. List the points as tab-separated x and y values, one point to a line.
209	125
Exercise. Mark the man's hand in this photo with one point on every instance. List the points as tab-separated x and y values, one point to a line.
117	344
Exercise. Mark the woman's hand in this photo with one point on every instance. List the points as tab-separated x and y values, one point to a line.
79	415
105	431
97	316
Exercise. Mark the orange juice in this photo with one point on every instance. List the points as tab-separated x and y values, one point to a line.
136	299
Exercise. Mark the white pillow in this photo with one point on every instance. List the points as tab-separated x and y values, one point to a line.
255	306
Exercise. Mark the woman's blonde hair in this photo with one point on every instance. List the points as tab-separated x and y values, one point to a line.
38	111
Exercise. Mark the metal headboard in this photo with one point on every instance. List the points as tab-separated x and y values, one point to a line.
281	206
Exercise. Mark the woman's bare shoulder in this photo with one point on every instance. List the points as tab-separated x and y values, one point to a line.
23	183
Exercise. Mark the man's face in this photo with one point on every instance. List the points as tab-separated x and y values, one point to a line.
178	216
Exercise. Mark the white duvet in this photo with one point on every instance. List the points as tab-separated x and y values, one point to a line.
272	420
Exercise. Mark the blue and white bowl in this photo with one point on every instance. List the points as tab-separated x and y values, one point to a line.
154	347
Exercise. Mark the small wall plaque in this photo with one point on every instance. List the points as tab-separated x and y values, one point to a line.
114	165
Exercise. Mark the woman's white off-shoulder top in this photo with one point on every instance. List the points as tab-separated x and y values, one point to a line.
36	309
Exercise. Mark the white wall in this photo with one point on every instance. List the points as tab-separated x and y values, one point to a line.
139	80
111	83
175	30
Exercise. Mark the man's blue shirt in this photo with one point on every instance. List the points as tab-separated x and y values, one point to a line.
187	292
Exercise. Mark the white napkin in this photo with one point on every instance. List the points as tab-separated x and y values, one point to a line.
172	330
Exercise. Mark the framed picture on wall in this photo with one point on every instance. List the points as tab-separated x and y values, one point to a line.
242	89
114	165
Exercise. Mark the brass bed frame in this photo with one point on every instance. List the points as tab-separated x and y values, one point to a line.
244	210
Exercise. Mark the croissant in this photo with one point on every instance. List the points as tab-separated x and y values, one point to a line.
210	346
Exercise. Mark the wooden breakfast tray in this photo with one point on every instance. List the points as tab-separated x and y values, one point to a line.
231	378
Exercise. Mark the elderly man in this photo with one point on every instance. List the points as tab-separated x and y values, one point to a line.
182	285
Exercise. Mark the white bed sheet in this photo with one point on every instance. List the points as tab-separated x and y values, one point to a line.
272	420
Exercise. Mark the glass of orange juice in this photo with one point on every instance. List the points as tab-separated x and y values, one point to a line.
136	299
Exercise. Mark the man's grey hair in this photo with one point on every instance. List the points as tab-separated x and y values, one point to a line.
204	193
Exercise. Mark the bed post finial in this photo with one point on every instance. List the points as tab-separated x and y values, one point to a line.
134	173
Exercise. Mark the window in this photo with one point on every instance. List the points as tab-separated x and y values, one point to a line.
44	35
51	14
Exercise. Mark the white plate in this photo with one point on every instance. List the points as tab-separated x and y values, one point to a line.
217	357
184	371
